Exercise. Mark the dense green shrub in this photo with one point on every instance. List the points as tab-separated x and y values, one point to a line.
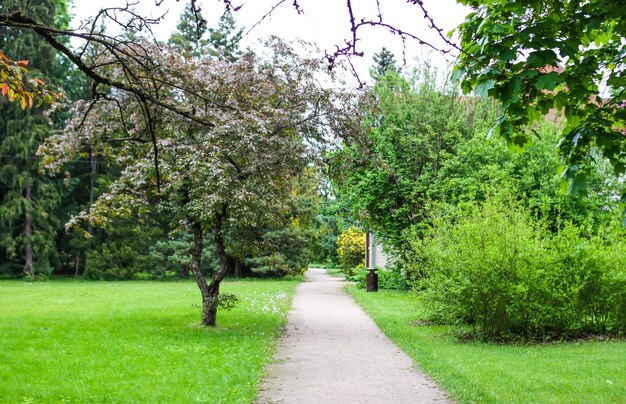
497	268
137	250
281	252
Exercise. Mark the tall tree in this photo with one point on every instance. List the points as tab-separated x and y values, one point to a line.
384	61
193	42
198	40
28	198
189	36
229	175
224	40
413	126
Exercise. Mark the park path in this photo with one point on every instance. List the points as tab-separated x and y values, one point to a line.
333	352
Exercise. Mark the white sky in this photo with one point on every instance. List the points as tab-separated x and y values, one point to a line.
325	22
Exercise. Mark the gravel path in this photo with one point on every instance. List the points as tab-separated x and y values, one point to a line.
334	353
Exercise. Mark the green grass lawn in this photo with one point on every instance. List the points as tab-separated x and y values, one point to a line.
65	341
577	372
336	272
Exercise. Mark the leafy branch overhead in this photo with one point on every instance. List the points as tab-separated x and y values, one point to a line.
17	86
561	58
99	53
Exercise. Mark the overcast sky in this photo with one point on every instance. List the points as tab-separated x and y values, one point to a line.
325	22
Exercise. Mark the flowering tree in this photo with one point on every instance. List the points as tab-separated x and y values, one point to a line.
264	115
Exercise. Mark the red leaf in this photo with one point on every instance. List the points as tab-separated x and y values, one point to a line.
5	88
22	63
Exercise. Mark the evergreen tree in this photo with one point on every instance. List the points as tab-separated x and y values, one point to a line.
28	199
224	40
384	62
191	38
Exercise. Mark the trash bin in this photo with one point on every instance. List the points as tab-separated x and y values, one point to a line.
371	280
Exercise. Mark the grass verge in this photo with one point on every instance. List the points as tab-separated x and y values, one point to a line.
140	342
336	272
330	270
575	372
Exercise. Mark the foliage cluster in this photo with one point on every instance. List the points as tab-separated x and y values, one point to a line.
129	241
537	57
29	201
351	249
17	87
332	219
414	124
426	150
496	267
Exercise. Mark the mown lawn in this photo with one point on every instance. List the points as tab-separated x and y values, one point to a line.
575	372
65	341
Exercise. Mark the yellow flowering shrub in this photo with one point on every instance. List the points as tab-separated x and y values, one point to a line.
351	249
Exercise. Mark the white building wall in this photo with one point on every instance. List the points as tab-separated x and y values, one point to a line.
378	258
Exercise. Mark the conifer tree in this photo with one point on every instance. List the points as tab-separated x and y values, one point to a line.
28	198
191	38
384	62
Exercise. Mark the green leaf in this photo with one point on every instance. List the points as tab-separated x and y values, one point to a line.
533	114
547	81
507	55
495	128
577	186
457	75
482	89
542	58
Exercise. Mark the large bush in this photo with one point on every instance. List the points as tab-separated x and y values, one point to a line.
351	249
282	252
498	269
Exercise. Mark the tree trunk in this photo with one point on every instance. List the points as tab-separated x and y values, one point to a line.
28	233
238	268
77	266
210	292
184	271
196	261
92	185
220	252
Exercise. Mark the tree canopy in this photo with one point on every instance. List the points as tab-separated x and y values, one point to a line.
228	175
564	57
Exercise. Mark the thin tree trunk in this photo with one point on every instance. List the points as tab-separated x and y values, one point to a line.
220	253
92	184
28	233
77	266
238	269
196	261
184	272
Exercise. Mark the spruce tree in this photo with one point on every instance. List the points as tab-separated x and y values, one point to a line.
28	199
384	62
192	39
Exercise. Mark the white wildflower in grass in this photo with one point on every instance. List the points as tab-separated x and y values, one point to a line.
268	303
